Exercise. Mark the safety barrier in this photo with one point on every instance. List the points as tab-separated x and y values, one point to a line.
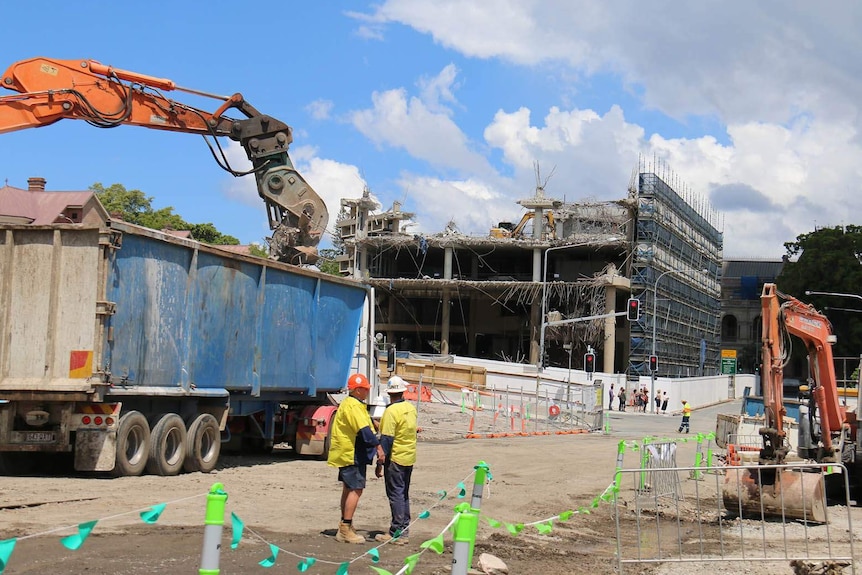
699	527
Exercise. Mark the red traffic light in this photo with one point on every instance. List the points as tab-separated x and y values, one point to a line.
590	362
633	311
653	363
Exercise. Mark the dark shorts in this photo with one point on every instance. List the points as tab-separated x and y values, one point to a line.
353	476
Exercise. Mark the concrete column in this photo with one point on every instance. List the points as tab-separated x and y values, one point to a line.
471	328
535	327
444	328
538	224
447	263
538	272
536	318
610	330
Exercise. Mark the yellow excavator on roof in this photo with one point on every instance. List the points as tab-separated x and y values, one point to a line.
507	230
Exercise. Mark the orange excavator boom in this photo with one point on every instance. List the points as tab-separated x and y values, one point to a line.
49	90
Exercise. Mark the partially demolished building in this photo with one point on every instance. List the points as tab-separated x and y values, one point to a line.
484	296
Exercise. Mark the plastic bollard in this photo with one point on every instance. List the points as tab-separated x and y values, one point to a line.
478	485
213	526
464	540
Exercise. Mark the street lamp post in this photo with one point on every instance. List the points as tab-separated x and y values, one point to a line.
853	295
541	359
654	323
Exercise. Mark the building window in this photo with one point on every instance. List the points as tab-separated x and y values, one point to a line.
729	328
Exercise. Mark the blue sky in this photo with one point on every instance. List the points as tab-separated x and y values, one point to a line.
446	106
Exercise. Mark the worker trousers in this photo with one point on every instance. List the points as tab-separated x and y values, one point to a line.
397	479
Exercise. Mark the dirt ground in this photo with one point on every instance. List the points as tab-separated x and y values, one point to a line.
293	504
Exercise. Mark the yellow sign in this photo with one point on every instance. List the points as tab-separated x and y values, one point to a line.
728	353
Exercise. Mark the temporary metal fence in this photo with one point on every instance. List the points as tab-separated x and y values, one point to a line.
699	528
658	478
478	412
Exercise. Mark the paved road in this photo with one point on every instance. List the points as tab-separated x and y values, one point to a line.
632	425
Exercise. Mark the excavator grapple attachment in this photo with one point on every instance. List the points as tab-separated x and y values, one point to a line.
774	492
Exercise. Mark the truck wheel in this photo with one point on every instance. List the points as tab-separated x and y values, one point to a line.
167	445
133	445
326	445
204	444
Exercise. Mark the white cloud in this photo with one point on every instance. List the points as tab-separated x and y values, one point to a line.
401	122
735	59
472	204
440	88
320	109
779	76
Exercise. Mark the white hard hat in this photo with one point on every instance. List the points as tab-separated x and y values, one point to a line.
396	385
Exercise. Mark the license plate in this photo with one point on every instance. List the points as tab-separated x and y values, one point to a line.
38	437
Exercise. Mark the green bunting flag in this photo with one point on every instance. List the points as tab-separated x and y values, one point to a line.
152	514
270	561
564	516
410	561
425	514
435	544
545	528
374	554
305	564
462	490
6	548
342	569
381	571
75	541
238	527
514	528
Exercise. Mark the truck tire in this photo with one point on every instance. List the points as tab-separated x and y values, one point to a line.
133	445
204	444
167	445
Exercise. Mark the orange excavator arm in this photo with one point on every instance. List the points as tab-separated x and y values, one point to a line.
51	90
814	329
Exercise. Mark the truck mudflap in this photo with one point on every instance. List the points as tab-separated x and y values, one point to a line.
95	427
312	430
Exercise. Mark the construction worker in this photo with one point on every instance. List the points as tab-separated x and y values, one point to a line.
686	415
352	446
398	438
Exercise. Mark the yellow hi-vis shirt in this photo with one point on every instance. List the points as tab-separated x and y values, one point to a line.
399	423
686	409
351	417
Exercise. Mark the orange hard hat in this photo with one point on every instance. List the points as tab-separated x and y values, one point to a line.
358	381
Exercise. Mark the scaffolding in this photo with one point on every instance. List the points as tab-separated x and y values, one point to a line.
675	273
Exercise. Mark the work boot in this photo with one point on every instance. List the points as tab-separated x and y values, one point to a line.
383	537
346	534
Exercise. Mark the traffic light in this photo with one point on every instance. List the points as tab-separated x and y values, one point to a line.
633	311
590	362
653	363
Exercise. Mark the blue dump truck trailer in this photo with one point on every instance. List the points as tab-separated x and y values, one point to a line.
137	351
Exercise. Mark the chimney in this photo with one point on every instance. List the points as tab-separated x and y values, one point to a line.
36	184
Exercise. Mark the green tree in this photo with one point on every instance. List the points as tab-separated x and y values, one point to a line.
136	207
327	263
130	205
829	261
208	233
259	250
